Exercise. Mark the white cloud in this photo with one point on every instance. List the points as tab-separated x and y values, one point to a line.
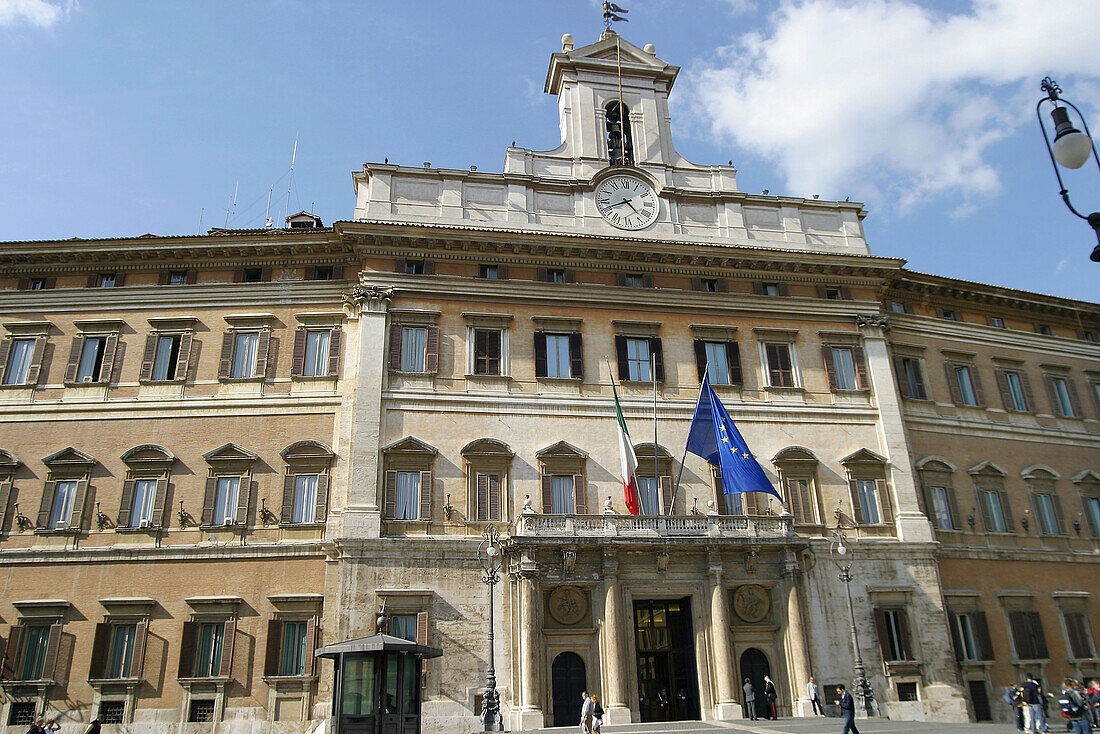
38	13
886	97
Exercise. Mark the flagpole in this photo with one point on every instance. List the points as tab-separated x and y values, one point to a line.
656	469
676	489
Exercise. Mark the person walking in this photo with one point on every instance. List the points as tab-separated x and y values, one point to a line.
1012	697
1033	697
52	727
597	714
770	697
588	706
94	727
750	699
814	694
36	728
1075	706
1093	695
847	709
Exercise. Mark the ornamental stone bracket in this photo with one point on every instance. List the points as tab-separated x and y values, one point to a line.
367	299
876	323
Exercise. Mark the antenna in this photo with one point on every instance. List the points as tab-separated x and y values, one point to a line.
267	217
286	211
201	212
236	186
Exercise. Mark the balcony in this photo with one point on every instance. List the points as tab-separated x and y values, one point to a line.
643	527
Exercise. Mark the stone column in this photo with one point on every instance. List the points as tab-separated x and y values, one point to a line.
725	673
616	703
797	652
530	714
356	486
912	525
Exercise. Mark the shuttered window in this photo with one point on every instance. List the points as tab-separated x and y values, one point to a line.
290	647
1027	635
1077	630
561	499
800	500
210	648
487	343
225	500
993	510
408	495
63	502
488	496
893	634
35	648
940	508
970	636
780	369
245	346
305	498
845	368
18	364
910	378
293	660
719	360
316	352
1048	510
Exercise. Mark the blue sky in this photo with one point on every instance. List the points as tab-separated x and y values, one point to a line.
131	117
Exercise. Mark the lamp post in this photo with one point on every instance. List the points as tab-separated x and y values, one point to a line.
839	552
490	554
1070	147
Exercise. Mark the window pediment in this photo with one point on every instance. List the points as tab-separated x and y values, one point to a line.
864	457
9	462
561	450
249	320
230	453
410	446
414	317
28	328
487	448
307	450
935	463
70	458
1040	471
1088	476
148	456
987	468
795	454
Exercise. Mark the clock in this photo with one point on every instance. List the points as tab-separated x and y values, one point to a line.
627	202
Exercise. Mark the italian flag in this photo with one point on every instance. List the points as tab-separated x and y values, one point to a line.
628	461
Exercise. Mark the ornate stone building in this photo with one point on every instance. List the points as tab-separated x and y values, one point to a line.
221	451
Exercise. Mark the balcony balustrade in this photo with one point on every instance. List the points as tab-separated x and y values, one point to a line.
532	524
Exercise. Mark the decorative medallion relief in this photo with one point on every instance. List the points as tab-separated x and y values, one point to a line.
751	603
568	605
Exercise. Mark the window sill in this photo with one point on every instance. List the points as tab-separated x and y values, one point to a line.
565	385
218	680
417	374
57	531
314	524
89	383
852	391
101	682
162	382
150	529
241	380
40	683
301	378
19	386
289	679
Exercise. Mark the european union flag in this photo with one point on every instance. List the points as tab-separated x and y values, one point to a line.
714	437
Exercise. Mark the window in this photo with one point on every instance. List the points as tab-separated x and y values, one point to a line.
245	348
38	284
620	141
414	267
141	512
737	504
208	658
166	356
305	498
780	368
649	495
561	498
834	293
558	355
867	496
294	648
228	487
489	272
290	646
893	634
201	711
120	660
408	495
942	517
91	359
225	500
63	502
907	691
306	482
910	378
487	349
316	353
22	713
637	360
1063	396
1092	513
555	275
487	496
1077	630
966	388
408	480
1049	511
20	356
996	322
770	289
1027	635
403	626
1015	390
253	275
845	367
899	307
168	353
634	355
635	280
112	712
994	511
65	490
800	498
414	348
105	280
708	285
564	487
950	314
36	643
1089	336
486	464
324	272
970	635
177	277
719	360
1044	329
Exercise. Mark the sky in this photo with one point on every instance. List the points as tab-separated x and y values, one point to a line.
127	117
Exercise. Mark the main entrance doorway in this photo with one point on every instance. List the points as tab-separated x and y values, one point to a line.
569	683
754	666
668	688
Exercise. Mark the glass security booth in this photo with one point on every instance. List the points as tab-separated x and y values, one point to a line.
377	686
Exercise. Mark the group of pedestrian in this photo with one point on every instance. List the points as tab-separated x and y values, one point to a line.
42	726
1079	704
768	696
591	713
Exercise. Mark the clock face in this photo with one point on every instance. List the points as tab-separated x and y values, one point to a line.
627	202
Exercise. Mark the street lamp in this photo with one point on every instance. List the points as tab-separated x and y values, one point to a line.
490	554
839	552
1070	147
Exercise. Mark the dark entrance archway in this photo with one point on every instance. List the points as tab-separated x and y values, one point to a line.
668	688
569	683
754	666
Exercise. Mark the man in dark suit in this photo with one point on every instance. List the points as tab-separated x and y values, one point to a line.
770	696
750	699
847	709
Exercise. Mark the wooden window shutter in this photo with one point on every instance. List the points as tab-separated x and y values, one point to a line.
422	639
238	275
1039	639
570	276
389	500
431	351
335	341
320	510
1059	516
757	288
310	273
298	360
857	508
1029	396
127	503
5	350
547	493
845	293
784	290
80	499
899	372
92	279
981	631
274	647
265	274
953	507
399	266
225	363
953	383
192	277
149	355
244	495
1002	388
100	645
722	285
830	365
183	361
160	501
822	292
481	496
720	505
647	281
74	358
1007	511
225	669
903	632
658	357
496	504
956	640
733	360
700	358
540	354
697	284
286	513
137	654
263	352
666	496
983	507
620	357
36	361
580	494
858	356
885	502
1074	400
11	653
208	500
750	502
620	279
49	663
5	498
502	272
164	277
186	667
576	356
882	630
311	646
110	348
49	489
1021	635
976	380
425	496
396	332
429	267
24	284
541	274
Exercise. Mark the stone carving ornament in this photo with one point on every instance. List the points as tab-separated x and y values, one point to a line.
751	603
568	605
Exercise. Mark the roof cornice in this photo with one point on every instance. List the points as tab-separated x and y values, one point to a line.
909	283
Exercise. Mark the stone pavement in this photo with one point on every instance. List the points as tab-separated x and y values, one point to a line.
818	725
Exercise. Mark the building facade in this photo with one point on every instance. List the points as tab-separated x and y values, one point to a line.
219	452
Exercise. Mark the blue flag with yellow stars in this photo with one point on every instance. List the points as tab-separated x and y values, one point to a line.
714	437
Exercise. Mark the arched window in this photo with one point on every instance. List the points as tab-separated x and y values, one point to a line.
620	144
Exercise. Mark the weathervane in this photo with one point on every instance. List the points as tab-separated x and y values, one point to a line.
611	13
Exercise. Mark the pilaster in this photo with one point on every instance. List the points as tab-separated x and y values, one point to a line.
529	714
617	707
795	642
726	708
